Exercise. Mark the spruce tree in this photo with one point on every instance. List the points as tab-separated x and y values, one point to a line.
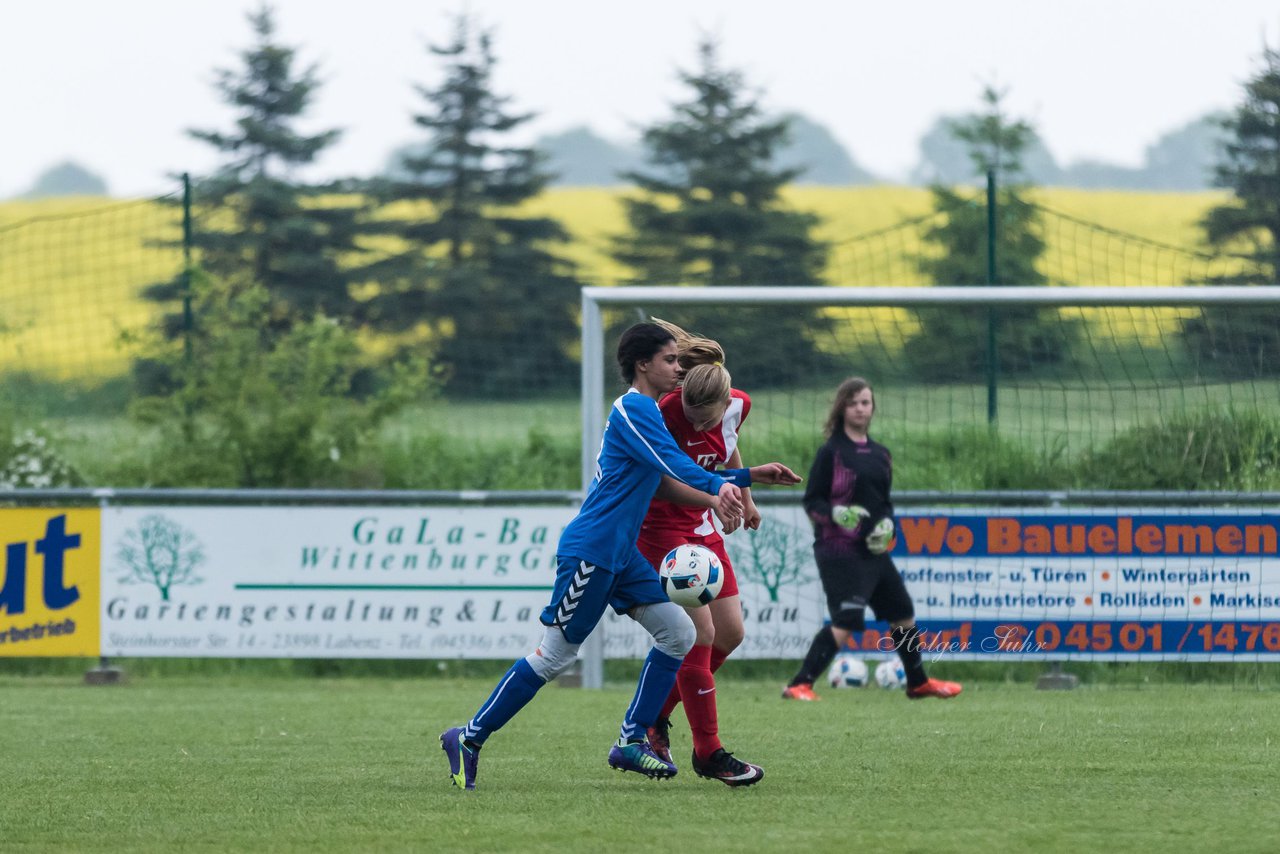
500	305
952	344
1242	342
710	214
253	217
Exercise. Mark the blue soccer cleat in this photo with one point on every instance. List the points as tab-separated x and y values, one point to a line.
462	759
638	756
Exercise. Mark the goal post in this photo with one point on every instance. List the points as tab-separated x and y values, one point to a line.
989	391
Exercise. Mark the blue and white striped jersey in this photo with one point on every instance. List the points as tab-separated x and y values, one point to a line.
636	451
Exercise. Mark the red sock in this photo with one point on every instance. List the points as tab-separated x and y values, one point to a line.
673	699
698	690
717	658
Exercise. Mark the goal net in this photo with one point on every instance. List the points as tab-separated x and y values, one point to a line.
1079	472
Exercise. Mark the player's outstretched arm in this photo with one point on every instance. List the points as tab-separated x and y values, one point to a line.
774	473
644	435
678	492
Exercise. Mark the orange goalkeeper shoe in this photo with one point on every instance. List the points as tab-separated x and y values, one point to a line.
934	688
803	691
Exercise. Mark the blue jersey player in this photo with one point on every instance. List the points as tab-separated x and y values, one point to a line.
598	565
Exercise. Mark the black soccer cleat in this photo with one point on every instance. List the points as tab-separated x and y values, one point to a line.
659	736
723	767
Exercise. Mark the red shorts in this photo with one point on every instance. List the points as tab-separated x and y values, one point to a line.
654	545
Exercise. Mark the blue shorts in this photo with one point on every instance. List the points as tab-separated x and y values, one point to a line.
583	591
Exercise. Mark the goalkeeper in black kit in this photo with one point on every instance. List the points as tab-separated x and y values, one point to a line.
847	499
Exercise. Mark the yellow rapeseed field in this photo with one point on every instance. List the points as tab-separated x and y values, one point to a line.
72	271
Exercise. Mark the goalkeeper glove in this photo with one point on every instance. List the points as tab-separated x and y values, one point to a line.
849	517
880	537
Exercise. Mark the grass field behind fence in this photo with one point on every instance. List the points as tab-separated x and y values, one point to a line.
223	762
939	434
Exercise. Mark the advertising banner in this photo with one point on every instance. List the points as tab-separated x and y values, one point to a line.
469	582
49	582
1095	584
1028	584
319	582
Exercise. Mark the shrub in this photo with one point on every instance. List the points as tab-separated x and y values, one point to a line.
1210	450
968	458
439	461
27	461
255	406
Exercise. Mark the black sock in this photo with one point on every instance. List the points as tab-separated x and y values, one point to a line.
907	643
821	651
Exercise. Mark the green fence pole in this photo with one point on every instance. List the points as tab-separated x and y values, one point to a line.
188	320
993	318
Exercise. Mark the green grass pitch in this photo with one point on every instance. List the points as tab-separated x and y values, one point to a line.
236	763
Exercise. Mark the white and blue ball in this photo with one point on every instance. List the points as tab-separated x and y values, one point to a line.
847	671
691	575
890	675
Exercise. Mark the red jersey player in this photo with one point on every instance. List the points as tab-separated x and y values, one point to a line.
704	416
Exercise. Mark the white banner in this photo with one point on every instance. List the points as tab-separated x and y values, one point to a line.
303	582
469	582
361	582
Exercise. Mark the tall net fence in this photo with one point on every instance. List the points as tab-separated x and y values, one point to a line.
71	295
1077	253
1019	396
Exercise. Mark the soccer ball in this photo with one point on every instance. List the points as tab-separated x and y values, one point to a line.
691	575
847	672
889	674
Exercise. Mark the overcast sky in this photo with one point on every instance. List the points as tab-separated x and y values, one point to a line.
114	85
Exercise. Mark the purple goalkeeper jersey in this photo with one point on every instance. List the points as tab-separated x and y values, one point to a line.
846	473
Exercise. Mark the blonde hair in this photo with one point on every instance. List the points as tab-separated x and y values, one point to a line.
706	385
706	380
693	350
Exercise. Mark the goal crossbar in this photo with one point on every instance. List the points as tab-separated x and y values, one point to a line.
893	295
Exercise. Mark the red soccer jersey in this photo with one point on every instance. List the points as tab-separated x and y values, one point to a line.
709	449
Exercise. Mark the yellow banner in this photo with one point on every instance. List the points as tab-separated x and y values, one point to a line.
49	582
